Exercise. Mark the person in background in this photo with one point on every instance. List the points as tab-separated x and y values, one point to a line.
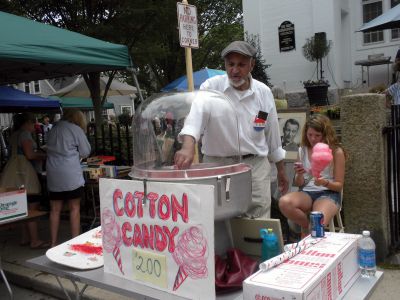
316	194
396	67
38	127
92	126
46	127
23	127
394	91
66	146
290	130
252	101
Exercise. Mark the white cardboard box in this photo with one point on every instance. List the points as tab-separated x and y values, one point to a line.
323	271
13	204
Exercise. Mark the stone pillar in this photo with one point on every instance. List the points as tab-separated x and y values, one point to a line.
365	206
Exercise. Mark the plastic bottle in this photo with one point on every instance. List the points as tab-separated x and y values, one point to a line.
270	245
366	255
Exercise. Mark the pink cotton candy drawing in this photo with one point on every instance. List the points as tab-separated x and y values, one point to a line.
191	255
111	236
320	158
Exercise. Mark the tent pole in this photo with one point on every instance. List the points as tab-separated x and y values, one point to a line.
136	82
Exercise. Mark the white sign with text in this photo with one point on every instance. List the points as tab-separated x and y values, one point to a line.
187	23
164	239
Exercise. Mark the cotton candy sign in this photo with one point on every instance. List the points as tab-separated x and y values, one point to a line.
163	240
320	158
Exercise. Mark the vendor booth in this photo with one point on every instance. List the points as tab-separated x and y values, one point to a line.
161	230
32	50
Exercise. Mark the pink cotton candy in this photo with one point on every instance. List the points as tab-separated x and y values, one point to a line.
320	158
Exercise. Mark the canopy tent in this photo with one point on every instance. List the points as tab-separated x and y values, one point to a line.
79	88
388	20
13	100
83	103
31	50
199	77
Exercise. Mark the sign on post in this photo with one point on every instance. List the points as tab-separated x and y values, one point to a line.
187	23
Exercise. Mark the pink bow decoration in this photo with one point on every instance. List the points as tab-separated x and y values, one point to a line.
320	158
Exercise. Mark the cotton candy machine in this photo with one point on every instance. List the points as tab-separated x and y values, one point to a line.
157	124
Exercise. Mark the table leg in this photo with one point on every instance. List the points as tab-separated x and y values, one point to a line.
78	293
94	206
6	282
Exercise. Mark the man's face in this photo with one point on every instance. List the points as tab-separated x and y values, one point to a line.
238	67
289	132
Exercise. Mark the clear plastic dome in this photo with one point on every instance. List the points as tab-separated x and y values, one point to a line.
157	124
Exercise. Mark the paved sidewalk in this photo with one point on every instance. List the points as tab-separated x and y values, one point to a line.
13	257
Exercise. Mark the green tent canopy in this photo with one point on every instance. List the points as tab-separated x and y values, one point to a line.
31	50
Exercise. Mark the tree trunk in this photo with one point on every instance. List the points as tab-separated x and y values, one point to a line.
93	82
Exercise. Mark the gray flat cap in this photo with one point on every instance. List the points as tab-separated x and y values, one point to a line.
240	47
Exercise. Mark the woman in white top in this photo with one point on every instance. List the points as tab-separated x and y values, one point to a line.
316	194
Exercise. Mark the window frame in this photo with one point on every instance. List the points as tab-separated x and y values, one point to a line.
393	3
380	35
27	87
126	106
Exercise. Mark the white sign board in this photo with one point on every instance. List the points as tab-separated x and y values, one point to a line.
165	241
187	23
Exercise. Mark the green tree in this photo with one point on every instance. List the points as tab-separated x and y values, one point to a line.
148	28
260	68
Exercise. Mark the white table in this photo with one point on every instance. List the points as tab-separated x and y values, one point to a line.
361	289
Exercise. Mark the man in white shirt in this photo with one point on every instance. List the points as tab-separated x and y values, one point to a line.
259	136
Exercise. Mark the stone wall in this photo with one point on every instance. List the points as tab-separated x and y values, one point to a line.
363	117
299	99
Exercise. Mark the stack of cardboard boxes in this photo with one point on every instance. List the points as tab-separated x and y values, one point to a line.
325	270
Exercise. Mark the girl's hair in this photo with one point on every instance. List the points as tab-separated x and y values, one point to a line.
322	124
75	116
20	119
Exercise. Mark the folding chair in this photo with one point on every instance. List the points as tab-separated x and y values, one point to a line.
338	217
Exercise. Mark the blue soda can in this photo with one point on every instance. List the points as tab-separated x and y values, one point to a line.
317	224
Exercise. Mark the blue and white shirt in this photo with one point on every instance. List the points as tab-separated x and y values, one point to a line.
66	145
394	91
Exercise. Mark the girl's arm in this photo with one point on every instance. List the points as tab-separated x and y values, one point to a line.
299	173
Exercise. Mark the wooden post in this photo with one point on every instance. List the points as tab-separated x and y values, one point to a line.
189	76
189	65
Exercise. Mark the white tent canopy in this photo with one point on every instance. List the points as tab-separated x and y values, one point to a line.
80	89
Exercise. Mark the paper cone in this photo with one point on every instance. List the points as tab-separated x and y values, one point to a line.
180	278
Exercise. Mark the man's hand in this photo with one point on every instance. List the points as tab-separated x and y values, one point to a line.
184	157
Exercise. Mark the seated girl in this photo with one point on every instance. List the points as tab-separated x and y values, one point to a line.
315	194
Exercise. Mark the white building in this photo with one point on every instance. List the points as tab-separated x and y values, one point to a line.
339	19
